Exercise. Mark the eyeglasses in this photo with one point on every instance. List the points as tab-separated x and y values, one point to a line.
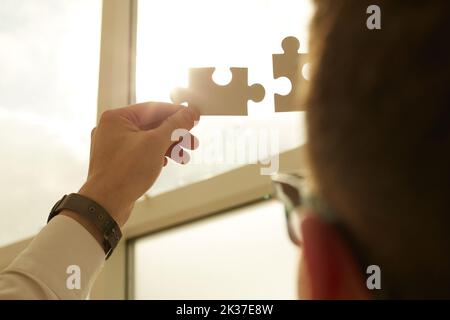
291	190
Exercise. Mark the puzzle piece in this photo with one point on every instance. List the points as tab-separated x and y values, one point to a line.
213	99
290	65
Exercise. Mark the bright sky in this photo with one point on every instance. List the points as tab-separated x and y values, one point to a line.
48	93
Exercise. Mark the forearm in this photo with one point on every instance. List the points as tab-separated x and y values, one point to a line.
41	270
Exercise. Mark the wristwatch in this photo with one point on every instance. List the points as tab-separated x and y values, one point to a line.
93	212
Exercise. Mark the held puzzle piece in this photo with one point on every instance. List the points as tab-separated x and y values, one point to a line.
290	65
213	99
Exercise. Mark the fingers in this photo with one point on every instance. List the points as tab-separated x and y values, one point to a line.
147	115
178	154
176	126
188	141
165	125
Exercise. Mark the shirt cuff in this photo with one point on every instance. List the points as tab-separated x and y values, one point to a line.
64	256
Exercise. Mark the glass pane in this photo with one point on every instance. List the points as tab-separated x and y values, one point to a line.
175	35
49	57
243	254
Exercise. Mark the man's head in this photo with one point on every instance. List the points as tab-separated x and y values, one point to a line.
379	148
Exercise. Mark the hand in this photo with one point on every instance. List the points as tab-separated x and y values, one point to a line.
128	150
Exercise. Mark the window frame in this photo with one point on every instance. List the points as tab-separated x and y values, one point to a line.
117	88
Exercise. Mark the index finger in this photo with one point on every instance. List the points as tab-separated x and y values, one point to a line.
148	115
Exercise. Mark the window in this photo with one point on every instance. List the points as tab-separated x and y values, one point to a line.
174	35
49	60
49	63
245	253
242	254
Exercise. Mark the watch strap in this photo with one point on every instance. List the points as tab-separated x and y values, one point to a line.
93	212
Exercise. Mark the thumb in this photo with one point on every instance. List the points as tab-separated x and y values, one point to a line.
182	119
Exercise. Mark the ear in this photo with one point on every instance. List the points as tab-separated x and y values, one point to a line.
328	269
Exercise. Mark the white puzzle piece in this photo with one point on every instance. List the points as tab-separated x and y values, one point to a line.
290	64
213	99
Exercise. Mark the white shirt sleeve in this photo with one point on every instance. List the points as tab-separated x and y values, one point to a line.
61	258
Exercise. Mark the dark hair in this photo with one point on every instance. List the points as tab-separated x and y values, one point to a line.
379	135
